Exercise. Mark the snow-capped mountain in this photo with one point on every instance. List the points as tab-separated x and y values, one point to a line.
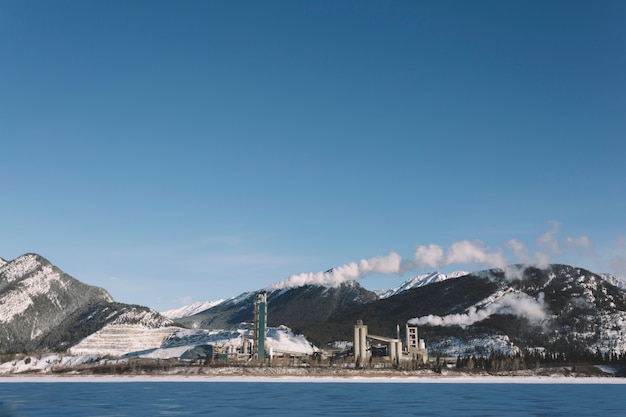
559	308
42	308
296	307
35	298
473	314
415	282
191	309
419	281
555	309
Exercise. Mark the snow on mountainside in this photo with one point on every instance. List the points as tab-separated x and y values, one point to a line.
419	281
44	309
190	310
180	343
560	307
613	280
133	330
35	298
246	297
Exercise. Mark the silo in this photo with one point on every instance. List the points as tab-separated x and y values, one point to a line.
360	343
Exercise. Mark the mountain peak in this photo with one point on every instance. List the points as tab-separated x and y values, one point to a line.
21	266
419	281
191	309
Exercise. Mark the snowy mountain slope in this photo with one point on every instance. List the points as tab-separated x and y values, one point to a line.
179	343
190	309
246	297
44	309
280	339
35	297
134	329
419	281
613	280
308	304
559	308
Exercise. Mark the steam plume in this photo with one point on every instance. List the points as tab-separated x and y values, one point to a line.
518	304
463	252
390	264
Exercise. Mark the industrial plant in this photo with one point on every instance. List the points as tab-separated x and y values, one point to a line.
368	346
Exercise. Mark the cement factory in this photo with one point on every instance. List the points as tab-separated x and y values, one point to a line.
366	346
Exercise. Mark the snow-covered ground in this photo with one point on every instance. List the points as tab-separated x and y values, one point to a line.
166	343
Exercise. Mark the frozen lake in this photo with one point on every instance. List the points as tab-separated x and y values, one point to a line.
277	397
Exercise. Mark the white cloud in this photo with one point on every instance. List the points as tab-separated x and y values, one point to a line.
390	264
520	251
465	252
581	242
517	247
618	259
431	255
462	252
518	304
185	300
548	239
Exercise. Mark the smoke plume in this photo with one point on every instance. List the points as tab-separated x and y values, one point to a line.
517	304
462	252
390	264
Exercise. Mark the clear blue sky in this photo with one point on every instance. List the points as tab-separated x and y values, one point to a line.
184	151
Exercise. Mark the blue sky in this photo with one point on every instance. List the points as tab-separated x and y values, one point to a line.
183	151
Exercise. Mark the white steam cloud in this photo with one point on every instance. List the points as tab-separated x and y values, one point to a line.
519	250
463	252
518	304
548	239
390	264
581	242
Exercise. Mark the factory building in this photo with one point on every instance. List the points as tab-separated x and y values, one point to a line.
367	345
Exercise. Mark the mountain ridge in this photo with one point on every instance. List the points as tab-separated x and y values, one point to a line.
557	308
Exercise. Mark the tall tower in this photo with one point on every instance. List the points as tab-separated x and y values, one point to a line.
260	324
361	355
416	347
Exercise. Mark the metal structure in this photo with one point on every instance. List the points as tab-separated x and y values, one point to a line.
260	325
416	347
367	345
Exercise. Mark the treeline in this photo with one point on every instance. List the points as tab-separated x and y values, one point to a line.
498	362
